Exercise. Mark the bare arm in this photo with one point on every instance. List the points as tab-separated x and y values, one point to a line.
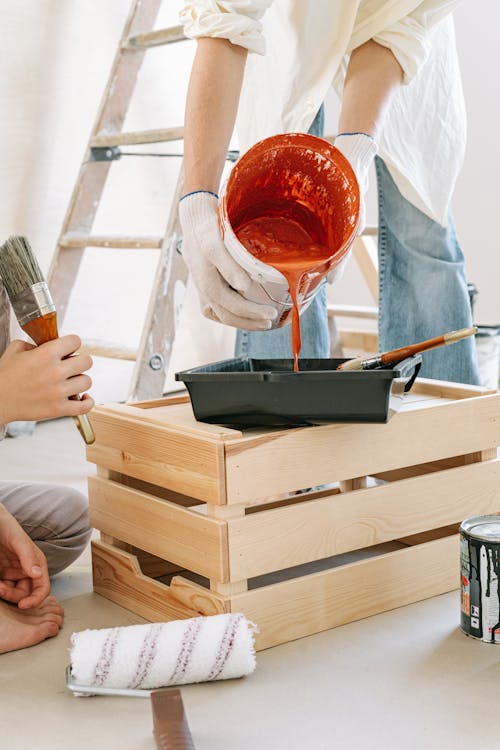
223	286
212	103
373	77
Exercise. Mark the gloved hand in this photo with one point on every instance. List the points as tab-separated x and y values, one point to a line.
220	281
359	149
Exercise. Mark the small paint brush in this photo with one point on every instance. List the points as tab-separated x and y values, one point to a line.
397	355
32	303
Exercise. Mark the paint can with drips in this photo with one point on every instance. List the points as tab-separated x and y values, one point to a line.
480	568
306	184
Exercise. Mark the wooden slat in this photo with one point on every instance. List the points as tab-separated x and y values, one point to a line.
117	576
360	341
159	527
305	457
431	535
366	254
111	351
299	607
152	403
417	470
151	489
158	455
113	241
281	538
156	38
174	413
137	137
150	565
447	389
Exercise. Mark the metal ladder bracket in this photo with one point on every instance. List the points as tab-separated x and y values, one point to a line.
109	153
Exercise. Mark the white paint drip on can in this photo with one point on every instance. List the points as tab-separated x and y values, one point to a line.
480	567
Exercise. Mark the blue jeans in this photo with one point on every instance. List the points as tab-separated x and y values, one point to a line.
423	291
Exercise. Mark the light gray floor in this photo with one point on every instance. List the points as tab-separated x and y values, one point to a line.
405	679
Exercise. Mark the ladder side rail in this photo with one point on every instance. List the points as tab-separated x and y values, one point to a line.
91	179
158	333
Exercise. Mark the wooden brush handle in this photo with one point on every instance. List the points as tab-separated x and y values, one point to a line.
84	427
396	355
408	351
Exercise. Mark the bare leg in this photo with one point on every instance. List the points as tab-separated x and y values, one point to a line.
21	628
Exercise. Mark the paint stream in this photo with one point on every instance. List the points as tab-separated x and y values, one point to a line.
286	245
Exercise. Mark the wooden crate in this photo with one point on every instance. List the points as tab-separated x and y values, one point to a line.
200	519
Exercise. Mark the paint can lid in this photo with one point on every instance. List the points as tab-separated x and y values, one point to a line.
484	528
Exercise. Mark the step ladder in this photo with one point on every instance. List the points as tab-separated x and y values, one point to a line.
346	340
154	351
104	147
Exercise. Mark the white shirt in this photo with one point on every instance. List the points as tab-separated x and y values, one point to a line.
302	48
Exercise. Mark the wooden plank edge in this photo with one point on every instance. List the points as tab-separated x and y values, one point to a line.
352	592
117	576
107	496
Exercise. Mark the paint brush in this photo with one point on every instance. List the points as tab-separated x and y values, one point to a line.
32	303
397	355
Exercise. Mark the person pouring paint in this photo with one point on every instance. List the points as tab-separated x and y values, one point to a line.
396	69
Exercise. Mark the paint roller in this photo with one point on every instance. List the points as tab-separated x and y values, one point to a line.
135	659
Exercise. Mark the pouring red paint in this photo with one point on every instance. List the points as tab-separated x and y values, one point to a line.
292	202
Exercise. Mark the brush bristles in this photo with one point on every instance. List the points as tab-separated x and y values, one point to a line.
19	268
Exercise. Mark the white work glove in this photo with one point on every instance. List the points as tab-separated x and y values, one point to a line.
359	149
220	281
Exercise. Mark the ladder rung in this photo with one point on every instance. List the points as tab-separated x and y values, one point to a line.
137	137
353	311
156	38
111	351
75	240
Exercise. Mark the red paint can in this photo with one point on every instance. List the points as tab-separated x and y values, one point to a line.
307	182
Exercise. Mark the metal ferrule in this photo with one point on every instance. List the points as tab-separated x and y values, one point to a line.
34	302
371	362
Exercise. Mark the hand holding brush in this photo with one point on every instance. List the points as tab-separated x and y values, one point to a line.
36	314
397	355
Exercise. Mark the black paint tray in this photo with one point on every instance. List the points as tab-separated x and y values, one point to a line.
246	392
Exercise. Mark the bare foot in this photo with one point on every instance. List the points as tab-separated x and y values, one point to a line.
20	628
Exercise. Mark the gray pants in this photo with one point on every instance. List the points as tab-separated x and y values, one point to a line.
4	332
55	517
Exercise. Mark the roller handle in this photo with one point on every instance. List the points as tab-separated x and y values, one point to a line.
170	727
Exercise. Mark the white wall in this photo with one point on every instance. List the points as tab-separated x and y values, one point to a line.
477	197
56	58
476	203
